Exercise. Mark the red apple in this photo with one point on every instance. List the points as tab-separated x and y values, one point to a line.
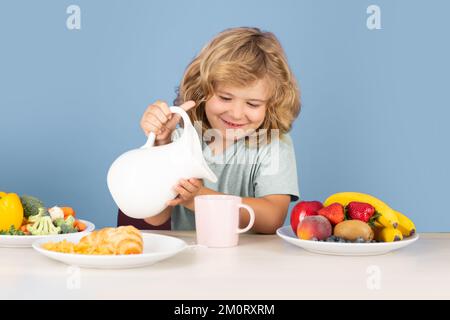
310	208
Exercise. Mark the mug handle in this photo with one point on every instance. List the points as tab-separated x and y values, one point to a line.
252	218
187	124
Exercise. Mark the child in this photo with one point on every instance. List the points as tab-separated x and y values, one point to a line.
239	86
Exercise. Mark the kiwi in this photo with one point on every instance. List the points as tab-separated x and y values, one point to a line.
353	229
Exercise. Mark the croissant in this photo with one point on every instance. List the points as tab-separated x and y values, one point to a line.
121	240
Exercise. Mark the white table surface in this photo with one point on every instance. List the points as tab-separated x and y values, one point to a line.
260	267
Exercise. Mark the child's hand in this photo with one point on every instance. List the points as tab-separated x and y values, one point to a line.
187	190
159	119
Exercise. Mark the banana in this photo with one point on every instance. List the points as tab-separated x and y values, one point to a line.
387	216
405	225
387	234
388	221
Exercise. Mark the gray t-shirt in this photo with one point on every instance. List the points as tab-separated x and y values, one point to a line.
246	172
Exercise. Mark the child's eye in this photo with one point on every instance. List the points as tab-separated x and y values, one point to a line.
225	98
253	105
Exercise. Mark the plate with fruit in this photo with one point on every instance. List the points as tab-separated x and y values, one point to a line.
348	223
25	219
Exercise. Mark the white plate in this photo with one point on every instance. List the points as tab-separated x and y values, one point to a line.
27	241
344	249
156	248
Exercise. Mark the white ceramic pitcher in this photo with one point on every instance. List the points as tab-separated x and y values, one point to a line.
141	181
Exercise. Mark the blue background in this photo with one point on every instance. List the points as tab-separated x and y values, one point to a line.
375	103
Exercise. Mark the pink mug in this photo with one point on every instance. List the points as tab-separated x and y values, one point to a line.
217	220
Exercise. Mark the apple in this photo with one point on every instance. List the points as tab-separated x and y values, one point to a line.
309	208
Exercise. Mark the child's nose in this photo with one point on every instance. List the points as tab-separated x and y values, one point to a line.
237	111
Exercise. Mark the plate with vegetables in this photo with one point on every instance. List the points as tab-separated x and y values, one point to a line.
25	219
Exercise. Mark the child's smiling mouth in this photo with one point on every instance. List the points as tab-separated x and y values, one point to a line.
232	124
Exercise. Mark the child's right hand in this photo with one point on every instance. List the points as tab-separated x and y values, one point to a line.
161	121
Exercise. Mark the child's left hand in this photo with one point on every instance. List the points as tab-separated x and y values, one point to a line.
187	190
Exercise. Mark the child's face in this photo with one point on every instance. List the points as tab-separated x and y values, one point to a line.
241	108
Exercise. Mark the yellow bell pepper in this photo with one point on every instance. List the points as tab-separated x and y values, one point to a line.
11	211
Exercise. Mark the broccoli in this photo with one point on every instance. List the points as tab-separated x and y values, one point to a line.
67	225
31	205
43	226
65	228
12	232
58	222
70	221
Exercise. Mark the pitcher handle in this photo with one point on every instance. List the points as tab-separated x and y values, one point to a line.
187	124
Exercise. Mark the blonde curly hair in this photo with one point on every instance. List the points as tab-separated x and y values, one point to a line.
239	57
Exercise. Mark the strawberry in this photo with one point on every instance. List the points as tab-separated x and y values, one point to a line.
334	213
360	211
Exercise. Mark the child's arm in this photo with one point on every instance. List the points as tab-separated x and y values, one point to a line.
160	218
270	211
186	189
